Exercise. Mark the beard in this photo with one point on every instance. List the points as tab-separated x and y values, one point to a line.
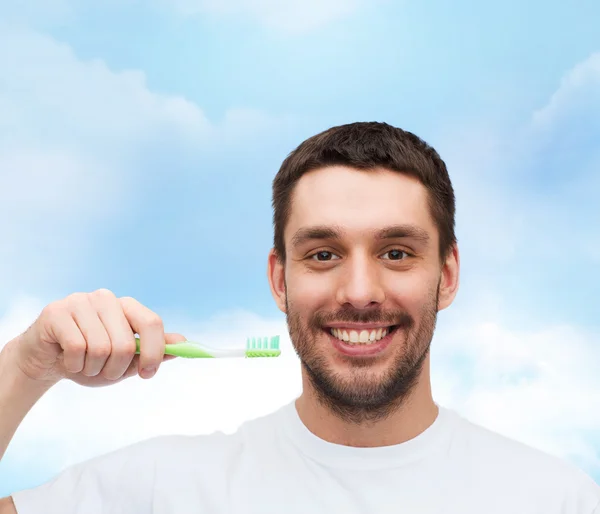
359	395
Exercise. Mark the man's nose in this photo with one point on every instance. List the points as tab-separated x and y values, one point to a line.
360	283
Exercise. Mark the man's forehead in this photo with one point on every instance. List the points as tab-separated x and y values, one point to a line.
359	203
355	190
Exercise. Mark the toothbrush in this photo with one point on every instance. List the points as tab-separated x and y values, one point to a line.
255	347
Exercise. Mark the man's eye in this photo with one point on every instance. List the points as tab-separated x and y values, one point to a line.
323	256
397	255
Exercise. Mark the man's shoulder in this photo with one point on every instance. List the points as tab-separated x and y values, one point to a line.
504	457
483	441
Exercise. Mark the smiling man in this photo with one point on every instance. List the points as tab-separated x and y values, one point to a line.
362	262
364	258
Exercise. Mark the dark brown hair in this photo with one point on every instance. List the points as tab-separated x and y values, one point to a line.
367	146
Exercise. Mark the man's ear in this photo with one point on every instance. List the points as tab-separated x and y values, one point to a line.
276	276
449	279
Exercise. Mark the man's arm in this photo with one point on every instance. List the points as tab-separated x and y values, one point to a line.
18	394
91	351
7	506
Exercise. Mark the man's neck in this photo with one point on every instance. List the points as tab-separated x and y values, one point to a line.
415	415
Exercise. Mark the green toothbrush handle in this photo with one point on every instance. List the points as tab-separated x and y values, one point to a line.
181	349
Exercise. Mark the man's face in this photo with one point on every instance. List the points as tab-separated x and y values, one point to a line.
361	286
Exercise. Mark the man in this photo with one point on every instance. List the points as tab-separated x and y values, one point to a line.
364	257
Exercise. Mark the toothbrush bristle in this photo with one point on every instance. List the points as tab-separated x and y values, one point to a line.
274	343
262	346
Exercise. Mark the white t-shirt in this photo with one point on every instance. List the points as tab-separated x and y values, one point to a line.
274	464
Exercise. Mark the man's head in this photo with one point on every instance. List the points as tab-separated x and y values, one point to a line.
364	245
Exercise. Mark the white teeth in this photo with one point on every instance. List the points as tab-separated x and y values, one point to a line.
362	337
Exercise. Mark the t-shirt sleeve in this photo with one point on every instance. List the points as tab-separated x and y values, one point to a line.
118	482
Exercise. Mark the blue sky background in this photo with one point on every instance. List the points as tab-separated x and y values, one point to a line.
138	142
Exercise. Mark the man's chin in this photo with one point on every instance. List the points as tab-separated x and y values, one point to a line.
354	384
360	389
357	401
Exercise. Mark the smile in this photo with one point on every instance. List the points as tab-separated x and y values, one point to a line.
361	337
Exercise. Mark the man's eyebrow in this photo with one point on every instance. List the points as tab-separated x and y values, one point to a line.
404	232
315	233
334	233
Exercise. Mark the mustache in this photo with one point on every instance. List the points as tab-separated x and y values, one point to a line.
402	319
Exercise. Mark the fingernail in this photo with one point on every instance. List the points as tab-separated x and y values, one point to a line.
148	372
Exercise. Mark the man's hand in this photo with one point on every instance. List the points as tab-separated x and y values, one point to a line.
90	338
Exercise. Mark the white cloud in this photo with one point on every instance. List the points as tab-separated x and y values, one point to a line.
563	138
537	386
577	95
285	15
68	131
516	190
72	135
65	97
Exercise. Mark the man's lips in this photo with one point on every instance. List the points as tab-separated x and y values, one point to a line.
361	349
357	326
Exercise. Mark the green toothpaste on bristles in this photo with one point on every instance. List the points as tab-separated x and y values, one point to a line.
255	347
